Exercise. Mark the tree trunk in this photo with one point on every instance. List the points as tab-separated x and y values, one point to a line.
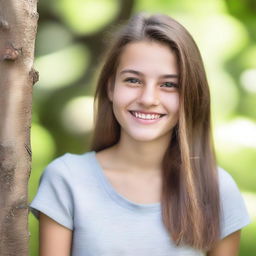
18	25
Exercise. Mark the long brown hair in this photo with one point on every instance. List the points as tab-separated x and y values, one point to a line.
190	194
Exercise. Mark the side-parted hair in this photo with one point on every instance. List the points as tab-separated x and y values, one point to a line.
190	193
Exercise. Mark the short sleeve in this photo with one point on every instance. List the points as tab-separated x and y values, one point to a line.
54	195
234	215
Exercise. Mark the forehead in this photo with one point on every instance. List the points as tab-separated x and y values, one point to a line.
149	57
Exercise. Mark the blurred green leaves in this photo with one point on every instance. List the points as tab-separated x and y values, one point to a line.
85	17
62	67
52	37
77	115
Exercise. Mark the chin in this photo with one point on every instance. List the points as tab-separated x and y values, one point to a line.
144	137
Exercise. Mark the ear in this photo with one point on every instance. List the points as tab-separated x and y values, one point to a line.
110	89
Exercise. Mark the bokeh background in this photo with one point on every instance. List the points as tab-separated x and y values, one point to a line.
71	39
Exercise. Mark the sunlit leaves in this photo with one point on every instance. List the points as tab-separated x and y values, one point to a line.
52	37
77	116
86	16
62	67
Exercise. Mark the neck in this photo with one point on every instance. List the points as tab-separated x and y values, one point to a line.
141	156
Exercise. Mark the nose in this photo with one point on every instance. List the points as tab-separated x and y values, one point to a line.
148	95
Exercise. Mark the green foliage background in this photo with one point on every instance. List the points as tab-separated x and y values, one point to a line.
71	40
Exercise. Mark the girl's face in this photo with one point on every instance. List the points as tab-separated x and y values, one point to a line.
145	94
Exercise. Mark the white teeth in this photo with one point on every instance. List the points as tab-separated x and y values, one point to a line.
147	116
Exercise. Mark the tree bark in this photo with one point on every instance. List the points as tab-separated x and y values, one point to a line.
18	25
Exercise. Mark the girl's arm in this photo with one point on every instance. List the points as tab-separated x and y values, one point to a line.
54	239
229	246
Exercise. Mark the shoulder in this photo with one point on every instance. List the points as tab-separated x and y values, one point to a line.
57	185
234	214
226	181
228	187
67	164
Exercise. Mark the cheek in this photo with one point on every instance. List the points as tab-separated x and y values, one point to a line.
123	95
172	102
176	103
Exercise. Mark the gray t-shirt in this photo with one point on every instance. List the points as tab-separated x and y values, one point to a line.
75	192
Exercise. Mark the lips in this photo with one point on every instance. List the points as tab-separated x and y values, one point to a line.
146	115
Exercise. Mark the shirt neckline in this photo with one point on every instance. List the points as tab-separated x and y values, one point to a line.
118	198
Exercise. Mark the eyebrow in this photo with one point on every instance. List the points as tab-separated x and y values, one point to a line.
141	74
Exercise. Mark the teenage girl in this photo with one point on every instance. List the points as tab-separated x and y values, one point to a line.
150	185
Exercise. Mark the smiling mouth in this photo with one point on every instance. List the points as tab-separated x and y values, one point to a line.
146	116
